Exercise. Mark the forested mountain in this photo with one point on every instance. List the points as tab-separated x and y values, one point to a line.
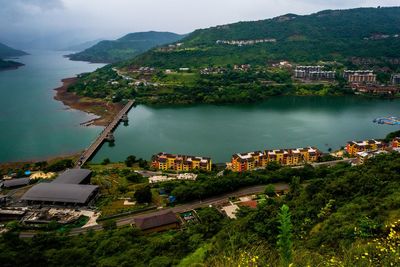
6	51
363	34
126	47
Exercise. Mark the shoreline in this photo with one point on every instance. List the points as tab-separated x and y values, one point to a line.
103	109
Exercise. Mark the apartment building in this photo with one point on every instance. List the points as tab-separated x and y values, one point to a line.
395	79
313	73
359	76
164	161
353	147
289	157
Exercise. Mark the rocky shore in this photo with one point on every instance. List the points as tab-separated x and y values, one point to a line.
103	109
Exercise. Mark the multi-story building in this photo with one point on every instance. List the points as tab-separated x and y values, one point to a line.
360	76
248	161
363	156
165	161
293	157
313	73
396	142
290	157
395	79
354	147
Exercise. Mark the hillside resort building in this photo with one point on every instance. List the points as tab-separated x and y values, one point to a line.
359	76
164	161
354	147
395	79
313	73
289	157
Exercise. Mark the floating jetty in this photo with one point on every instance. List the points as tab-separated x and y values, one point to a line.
387	120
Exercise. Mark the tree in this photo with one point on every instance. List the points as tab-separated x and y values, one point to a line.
134	177
130	160
270	190
106	161
285	236
143	195
110	225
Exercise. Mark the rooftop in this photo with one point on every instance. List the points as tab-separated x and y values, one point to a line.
57	192
16	182
153	221
73	176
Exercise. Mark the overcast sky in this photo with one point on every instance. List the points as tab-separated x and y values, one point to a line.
23	21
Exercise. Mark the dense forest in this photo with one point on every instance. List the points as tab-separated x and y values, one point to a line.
125	47
336	216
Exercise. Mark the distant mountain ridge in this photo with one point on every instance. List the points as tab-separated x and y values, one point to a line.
82	46
327	35
6	52
125	47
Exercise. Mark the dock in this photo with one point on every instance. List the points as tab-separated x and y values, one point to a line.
104	135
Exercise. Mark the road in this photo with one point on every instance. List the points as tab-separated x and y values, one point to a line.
180	208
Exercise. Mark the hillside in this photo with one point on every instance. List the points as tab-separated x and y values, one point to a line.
82	46
341	35
8	64
235	63
126	47
336	216
6	52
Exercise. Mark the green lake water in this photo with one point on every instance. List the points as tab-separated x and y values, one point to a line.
33	125
220	131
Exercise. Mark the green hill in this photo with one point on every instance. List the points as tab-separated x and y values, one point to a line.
7	52
367	33
8	64
126	47
201	67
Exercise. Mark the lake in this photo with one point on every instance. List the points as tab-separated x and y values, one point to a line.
32	124
220	131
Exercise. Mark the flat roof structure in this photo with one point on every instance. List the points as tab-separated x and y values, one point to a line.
15	182
65	193
158	220
74	176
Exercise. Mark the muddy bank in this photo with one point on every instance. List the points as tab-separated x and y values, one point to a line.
103	109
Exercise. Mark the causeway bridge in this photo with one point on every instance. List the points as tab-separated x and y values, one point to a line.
104	135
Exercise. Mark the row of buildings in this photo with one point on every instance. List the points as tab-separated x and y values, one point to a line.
289	157
164	161
242	162
246	42
367	149
313	73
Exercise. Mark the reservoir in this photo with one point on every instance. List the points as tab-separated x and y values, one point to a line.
220	131
34	126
